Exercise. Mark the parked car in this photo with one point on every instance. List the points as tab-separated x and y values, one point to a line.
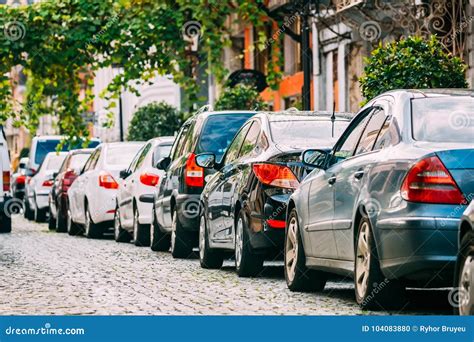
244	202
464	276
63	179
176	207
383	205
132	214
92	196
18	179
40	147
5	198
39	186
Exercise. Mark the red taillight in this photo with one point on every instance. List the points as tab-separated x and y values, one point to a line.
276	175
149	179
107	181
48	182
280	224
20	179
194	174
68	179
6	180
428	181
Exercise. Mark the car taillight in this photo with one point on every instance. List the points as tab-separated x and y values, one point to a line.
276	175
107	181
193	174
67	180
428	181
20	179
149	179
48	182
6	180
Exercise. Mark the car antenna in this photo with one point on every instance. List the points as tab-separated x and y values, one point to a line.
333	117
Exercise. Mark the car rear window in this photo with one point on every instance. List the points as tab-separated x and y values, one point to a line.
121	154
78	161
443	119
219	131
55	161
303	132
43	147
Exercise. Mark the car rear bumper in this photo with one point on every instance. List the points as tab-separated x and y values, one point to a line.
188	207
42	201
418	248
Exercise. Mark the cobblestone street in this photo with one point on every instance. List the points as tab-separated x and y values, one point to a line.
44	273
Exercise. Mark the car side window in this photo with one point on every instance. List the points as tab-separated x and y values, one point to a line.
141	156
371	132
249	146
234	148
89	162
95	159
346	147
389	134
178	144
188	140
132	165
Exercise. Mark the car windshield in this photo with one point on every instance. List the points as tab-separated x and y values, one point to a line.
305	132
54	162
443	119
121	154
43	147
219	131
161	151
77	161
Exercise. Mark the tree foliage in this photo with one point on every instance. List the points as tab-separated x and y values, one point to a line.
411	63
154	120
60	44
240	97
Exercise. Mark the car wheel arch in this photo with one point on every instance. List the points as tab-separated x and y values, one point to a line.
464	228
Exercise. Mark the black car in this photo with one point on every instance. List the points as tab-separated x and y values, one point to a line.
244	203
176	200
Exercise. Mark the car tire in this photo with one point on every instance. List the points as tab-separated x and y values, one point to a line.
141	232
159	241
40	214
464	286
29	214
299	278
73	228
373	291
5	223
208	258
181	242
61	222
120	234
91	229
247	262
51	220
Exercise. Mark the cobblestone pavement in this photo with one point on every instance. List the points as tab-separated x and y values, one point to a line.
43	273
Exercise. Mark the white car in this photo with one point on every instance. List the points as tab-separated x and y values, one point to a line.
133	215
37	187
92	196
7	206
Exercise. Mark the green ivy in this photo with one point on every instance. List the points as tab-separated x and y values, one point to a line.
411	63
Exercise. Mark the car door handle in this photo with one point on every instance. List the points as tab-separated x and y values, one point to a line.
332	180
359	174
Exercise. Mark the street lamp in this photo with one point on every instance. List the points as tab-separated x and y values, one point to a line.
117	69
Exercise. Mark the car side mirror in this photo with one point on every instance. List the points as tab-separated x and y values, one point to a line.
30	172
206	160
163	163
55	174
315	158
124	174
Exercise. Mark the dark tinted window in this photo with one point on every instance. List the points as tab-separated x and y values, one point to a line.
350	141
250	141
43	147
389	134
234	148
219	131
160	152
371	132
443	119
179	142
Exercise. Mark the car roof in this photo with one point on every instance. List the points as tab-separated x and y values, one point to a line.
432	92
81	150
56	137
110	144
162	139
305	115
223	112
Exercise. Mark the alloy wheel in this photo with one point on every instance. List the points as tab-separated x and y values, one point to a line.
202	238
239	242
291	249
363	260
465	302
